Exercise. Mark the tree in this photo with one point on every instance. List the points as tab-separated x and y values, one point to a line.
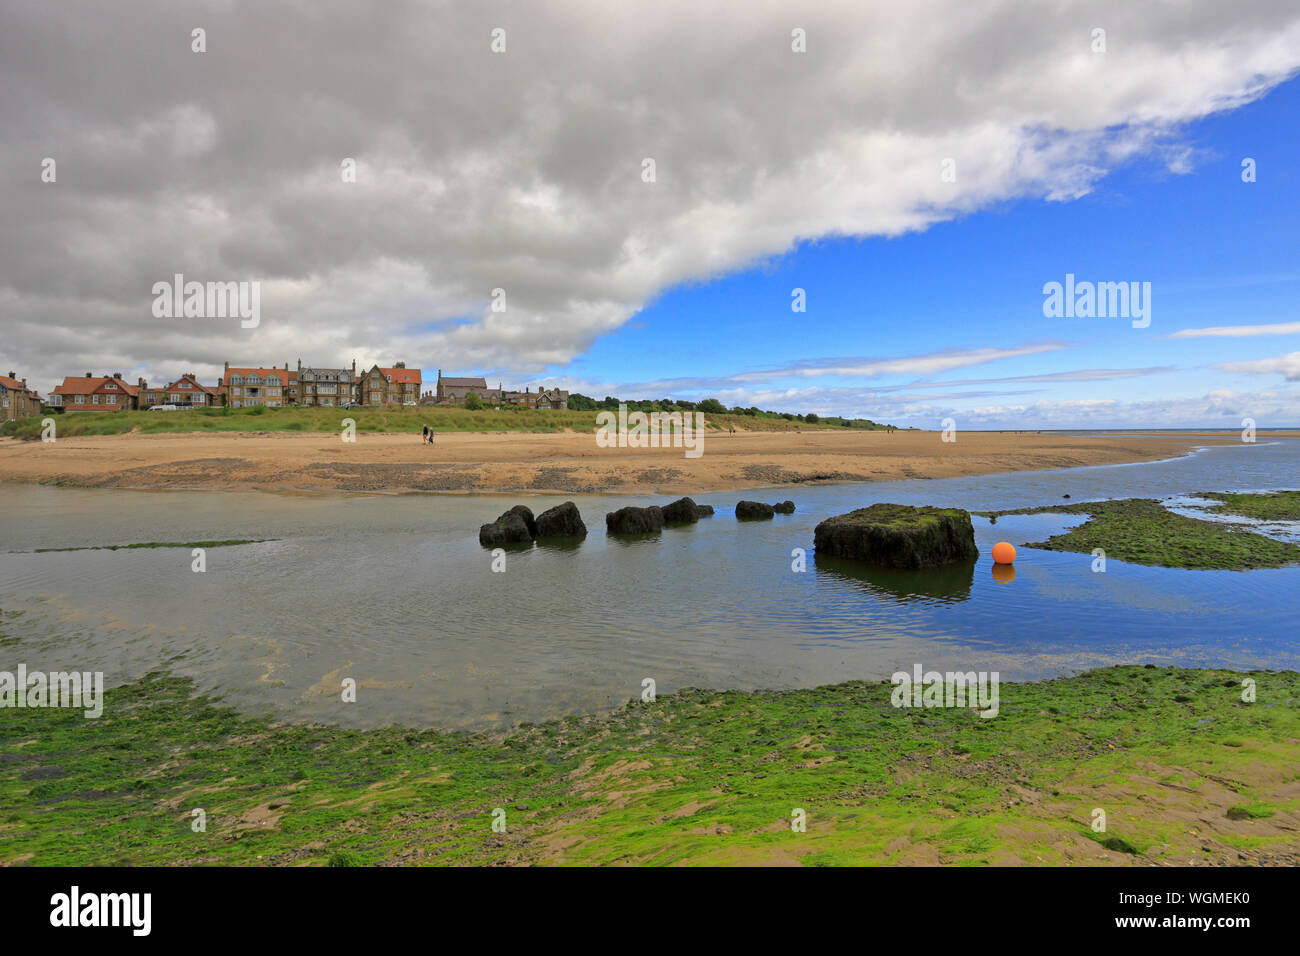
811	418
711	406
472	402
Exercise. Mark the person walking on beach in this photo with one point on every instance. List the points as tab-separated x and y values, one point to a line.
430	436
425	436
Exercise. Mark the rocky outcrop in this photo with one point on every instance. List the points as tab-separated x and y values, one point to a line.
562	521
899	536
751	510
704	511
635	520
516	526
681	511
784	507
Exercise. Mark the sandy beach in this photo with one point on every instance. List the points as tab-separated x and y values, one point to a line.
557	463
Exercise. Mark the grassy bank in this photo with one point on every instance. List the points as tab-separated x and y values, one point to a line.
1183	768
1142	531
376	419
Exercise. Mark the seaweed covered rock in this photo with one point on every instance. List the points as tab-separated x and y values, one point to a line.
632	520
562	521
751	510
784	507
510	528
681	511
704	511
526	514
899	536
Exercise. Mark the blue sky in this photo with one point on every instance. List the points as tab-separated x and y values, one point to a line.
1218	252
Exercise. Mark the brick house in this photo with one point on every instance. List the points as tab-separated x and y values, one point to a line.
247	387
389	386
16	399
325	386
96	393
186	391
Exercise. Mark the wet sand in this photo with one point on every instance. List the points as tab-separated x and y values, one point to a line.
558	463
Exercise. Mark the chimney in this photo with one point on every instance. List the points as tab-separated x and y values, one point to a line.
88	375
142	384
11	373
118	376
399	365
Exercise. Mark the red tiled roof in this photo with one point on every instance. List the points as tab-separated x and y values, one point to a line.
80	385
402	376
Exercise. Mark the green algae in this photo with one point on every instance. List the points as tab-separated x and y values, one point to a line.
693	778
1142	531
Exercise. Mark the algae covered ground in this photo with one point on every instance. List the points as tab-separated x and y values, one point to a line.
1266	506
1184	766
1143	531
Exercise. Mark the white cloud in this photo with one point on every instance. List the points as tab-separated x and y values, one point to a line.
1238	331
1287	365
522	170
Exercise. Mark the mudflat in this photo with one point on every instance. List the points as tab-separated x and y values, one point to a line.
560	463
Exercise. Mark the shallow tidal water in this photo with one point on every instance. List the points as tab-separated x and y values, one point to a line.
396	593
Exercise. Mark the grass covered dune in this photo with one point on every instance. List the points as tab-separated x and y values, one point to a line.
375	420
1184	769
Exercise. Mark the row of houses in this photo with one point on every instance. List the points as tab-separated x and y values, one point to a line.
269	386
454	391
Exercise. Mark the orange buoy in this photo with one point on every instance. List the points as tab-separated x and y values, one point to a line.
1004	553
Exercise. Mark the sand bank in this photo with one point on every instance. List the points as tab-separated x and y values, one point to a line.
556	463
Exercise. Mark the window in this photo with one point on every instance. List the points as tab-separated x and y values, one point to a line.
109	385
110	399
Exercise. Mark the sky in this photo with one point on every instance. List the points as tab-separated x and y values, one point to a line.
913	175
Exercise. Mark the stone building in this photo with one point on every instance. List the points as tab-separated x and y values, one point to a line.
247	387
389	386
329	387
16	399
452	391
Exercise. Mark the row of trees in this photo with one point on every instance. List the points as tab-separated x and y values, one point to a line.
710	406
